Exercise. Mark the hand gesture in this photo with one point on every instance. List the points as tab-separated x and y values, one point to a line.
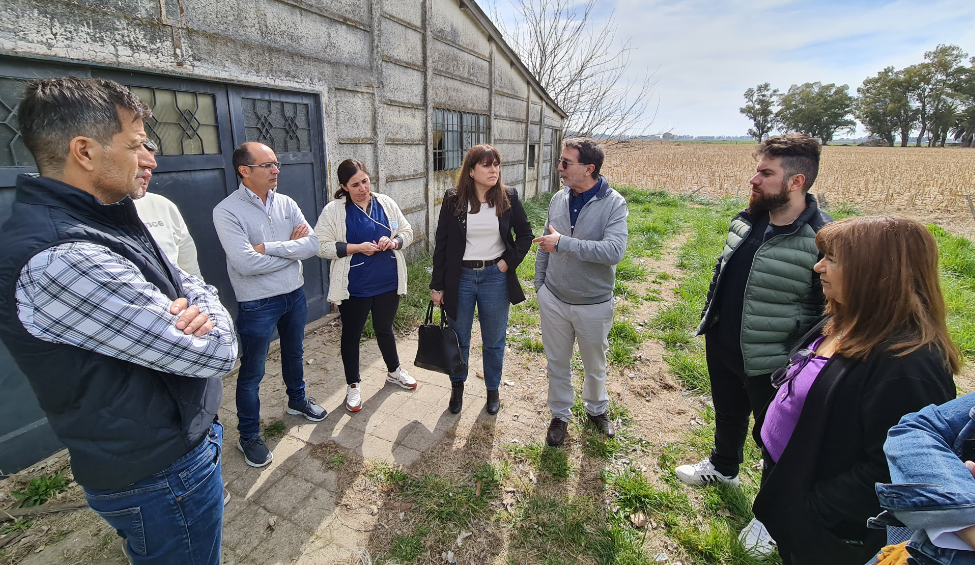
502	266
386	243
299	232
191	320
548	242
367	248
259	248
437	297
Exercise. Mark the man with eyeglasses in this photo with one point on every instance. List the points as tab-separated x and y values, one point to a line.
162	218
575	273
265	237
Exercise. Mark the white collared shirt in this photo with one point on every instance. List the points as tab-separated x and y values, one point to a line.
255	198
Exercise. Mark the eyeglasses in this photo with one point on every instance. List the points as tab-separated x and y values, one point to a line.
565	164
266	166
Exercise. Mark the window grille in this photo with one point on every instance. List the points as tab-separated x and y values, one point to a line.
182	123
282	126
453	134
13	152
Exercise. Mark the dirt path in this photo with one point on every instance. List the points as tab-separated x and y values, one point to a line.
316	504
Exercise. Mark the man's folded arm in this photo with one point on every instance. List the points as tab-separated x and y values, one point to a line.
85	295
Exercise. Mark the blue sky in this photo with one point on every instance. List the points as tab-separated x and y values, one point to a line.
707	53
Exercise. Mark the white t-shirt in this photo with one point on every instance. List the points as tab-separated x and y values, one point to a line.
167	227
483	235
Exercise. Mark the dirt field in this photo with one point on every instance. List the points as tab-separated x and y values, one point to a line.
928	184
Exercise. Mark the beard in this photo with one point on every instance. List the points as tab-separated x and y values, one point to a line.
113	184
758	204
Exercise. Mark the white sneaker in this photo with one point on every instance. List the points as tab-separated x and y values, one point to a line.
353	398
402	378
756	539
703	473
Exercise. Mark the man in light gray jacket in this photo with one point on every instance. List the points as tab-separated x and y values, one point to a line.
265	237
575	273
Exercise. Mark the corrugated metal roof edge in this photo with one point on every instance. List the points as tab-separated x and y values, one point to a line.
496	36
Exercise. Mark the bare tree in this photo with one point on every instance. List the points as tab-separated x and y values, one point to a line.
580	67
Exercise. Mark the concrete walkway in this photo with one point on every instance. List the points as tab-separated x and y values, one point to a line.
305	507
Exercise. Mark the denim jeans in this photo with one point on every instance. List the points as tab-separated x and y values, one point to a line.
174	516
488	289
256	320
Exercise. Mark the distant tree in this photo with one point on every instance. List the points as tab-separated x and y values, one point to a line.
964	88
816	109
917	79
944	64
876	105
760	109
581	67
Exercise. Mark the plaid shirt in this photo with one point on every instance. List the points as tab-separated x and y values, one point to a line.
83	294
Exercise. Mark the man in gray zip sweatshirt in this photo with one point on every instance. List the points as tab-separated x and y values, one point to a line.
265	237
575	273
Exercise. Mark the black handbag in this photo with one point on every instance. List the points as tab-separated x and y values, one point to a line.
439	348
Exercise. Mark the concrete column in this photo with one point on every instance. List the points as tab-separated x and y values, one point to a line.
428	127
380	129
541	148
528	125
491	93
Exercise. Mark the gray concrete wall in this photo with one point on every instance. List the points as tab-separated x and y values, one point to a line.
380	67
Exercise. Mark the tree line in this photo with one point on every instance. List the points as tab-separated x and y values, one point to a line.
934	99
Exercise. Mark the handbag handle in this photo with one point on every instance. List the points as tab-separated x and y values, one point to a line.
443	317
429	318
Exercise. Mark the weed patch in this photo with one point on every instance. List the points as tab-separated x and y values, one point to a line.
41	489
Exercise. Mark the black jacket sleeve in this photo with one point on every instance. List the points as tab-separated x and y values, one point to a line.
440	247
523	233
896	387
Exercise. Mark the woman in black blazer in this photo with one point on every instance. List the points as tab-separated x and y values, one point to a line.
474	263
883	351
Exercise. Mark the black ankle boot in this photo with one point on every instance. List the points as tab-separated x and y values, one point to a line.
493	402
456	398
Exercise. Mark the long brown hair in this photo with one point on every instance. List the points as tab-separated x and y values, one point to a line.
497	196
890	286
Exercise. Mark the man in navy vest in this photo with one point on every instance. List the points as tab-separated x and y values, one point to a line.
123	350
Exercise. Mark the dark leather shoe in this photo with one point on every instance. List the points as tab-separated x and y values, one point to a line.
493	402
456	398
603	424
556	433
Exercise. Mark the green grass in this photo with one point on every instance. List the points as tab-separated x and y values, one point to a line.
40	489
554	530
21	525
407	549
274	430
549	460
957	262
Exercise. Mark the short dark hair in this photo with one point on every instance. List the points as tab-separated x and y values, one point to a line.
799	152
54	111
242	156
589	153
345	171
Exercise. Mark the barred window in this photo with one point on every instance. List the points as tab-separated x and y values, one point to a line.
453	134
182	123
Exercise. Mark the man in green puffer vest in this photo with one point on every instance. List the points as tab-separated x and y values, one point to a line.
764	296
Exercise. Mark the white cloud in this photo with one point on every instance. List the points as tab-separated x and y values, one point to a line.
709	52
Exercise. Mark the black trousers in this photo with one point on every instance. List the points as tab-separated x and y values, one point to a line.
735	397
355	311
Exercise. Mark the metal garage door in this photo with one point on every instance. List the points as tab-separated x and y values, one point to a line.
196	125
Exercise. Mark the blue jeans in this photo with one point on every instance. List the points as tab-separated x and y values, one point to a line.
256	320
174	516
488	289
